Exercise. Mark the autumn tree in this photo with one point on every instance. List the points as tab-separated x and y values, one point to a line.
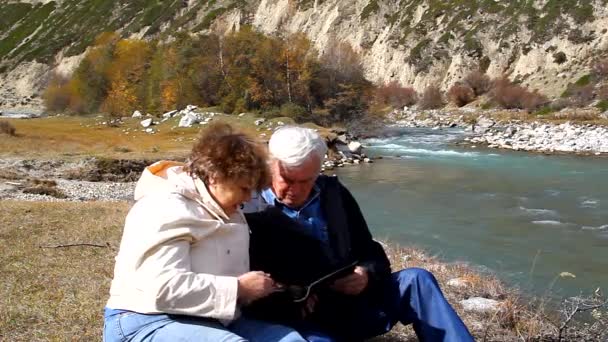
125	75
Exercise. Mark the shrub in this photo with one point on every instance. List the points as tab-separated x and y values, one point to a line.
292	110
461	94
559	57
432	98
57	94
544	110
479	82
602	105
395	95
7	128
513	96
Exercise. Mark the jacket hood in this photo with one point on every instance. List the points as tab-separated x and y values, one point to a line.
169	177
165	176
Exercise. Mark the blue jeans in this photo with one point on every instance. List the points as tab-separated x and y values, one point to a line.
132	326
412	296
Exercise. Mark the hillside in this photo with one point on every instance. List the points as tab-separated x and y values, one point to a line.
543	44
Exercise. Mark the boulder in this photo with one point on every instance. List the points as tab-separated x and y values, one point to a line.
188	120
355	147
342	139
146	123
259	121
136	114
483	124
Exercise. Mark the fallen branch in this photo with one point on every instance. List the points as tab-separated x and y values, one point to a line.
78	245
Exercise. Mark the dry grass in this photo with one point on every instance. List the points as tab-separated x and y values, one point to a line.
68	137
515	321
55	294
59	293
7	128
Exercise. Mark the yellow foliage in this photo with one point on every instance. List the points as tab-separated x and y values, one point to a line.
169	94
121	99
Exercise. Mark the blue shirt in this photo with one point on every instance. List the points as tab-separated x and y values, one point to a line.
310	215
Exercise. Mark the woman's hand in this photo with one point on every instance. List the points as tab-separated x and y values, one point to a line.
255	285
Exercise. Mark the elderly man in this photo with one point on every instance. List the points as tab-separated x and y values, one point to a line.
305	225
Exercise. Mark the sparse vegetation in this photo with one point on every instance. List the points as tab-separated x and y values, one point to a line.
513	96
394	95
461	94
559	57
432	98
479	82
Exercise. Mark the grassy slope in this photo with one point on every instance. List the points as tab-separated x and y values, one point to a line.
74	137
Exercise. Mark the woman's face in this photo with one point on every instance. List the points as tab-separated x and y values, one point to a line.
229	195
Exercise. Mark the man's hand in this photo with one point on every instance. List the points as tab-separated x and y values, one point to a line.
309	307
354	283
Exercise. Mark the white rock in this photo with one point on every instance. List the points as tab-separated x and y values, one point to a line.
149	130
146	123
170	114
136	114
259	121
458	283
188	120
478	304
354	147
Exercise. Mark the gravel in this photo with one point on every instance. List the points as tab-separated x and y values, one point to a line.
77	191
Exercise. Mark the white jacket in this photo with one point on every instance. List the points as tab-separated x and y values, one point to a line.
180	253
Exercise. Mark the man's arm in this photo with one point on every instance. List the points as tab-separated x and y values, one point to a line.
370	253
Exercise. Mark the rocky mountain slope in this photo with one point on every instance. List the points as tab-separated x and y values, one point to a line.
544	44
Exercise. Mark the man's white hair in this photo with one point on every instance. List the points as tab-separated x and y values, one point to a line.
292	145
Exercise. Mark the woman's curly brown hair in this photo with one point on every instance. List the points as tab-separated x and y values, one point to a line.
226	155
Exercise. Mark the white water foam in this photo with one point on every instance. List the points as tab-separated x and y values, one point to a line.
550	222
541	212
604	227
443	153
589	203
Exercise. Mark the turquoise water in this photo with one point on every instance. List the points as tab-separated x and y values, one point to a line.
524	216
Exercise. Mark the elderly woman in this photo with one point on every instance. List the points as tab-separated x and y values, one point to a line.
182	272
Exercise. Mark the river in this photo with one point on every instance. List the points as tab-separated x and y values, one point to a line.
526	217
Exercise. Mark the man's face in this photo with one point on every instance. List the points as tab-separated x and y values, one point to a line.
292	186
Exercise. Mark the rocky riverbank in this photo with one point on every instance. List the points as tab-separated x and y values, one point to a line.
514	130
